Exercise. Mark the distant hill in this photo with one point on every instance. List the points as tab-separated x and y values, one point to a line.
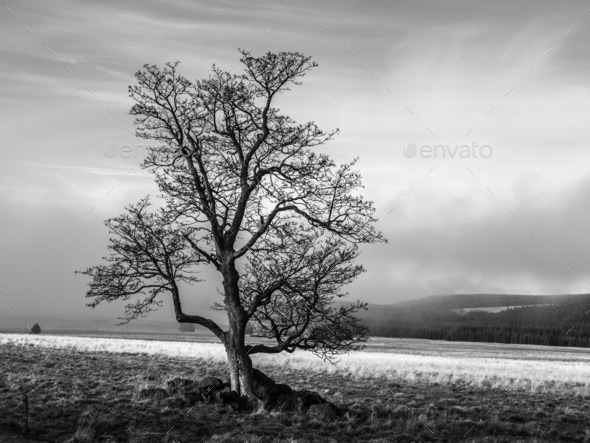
501	318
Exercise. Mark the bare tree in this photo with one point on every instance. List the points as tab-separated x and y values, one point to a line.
243	191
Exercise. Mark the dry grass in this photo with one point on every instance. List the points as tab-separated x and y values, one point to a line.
74	383
532	368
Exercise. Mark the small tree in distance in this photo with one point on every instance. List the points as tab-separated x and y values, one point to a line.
187	327
244	191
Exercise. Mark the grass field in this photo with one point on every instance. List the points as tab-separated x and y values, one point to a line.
495	309
85	389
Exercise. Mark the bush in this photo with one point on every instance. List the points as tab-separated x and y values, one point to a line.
36	329
187	327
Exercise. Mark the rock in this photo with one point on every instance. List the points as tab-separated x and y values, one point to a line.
263	384
179	385
280	397
232	399
308	398
295	401
209	388
193	397
206	390
276	396
152	393
265	387
214	395
324	411
229	397
212	383
281	389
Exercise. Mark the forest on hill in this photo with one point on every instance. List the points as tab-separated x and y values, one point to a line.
555	320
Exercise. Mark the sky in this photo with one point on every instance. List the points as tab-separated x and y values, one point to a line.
469	118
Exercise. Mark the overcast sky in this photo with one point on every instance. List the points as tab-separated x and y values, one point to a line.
500	91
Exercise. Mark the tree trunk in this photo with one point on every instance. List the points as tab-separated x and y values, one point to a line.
240	371
246	376
234	373
240	364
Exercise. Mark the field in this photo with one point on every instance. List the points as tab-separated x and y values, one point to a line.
86	389
495	309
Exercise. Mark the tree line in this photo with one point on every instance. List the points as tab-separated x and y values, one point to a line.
563	322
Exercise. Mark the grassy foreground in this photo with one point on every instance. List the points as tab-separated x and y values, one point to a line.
92	396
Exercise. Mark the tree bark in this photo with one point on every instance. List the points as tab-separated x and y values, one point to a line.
246	375
240	369
240	364
234	373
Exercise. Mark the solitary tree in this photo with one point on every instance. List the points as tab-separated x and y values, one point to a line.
243	190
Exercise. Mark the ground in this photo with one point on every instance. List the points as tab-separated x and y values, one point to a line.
91	396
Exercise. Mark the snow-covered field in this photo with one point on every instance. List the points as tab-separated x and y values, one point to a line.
534	368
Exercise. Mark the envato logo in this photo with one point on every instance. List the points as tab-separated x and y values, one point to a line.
447	151
124	150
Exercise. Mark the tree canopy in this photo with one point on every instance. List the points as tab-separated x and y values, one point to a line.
243	189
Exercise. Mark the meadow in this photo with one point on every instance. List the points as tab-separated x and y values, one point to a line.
86	389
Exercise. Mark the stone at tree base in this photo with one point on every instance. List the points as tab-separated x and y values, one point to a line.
214	394
280	397
229	396
281	388
265	387
179	385
211	382
263	384
209	388
275	396
296	401
232	399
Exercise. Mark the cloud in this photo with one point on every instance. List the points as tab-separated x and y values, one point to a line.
390	74
529	251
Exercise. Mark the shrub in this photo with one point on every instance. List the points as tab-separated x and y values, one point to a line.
36	329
